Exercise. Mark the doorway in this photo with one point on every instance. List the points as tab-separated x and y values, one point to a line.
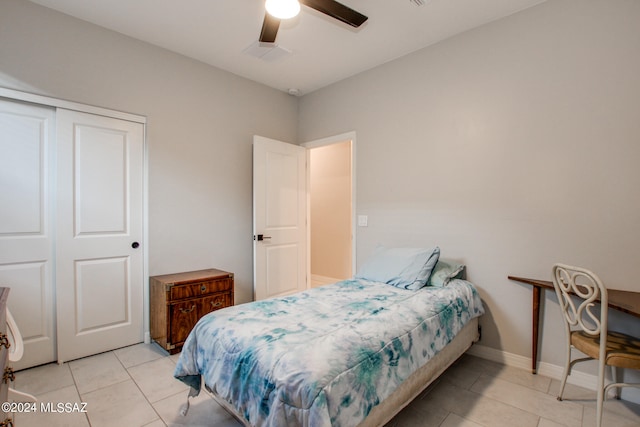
331	209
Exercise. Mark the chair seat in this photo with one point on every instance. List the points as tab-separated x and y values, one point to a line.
623	351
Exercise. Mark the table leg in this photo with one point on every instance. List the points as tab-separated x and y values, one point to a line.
536	321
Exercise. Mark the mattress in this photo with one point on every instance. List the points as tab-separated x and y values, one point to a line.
326	356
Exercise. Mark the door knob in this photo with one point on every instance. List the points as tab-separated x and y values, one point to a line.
135	245
261	237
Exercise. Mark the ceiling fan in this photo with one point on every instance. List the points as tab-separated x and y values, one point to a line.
276	10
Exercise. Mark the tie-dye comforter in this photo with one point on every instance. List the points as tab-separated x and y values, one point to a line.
326	356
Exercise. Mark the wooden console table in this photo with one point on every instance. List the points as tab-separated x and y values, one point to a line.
625	301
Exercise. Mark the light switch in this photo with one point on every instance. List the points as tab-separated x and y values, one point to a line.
363	220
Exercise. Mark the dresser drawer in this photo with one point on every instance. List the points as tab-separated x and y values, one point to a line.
4	352
199	289
215	302
183	316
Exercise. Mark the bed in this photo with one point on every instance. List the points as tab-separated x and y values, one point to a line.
352	353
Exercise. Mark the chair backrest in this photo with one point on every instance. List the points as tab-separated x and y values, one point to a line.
586	288
15	339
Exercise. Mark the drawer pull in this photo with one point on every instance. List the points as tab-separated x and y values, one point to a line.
8	375
187	310
4	340
215	304
203	288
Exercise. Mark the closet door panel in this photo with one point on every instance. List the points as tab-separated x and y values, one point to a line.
26	226
102	293
99	269
100	204
21	165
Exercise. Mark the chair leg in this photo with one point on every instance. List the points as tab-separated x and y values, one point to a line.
616	379
567	368
601	396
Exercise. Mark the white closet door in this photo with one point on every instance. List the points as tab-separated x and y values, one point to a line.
26	227
99	268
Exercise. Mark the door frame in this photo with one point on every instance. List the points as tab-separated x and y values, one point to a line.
347	136
136	118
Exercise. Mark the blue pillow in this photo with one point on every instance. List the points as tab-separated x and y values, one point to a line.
407	268
444	272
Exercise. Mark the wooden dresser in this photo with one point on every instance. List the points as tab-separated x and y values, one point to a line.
179	300
5	418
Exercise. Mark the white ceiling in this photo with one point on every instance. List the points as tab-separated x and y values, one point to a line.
323	50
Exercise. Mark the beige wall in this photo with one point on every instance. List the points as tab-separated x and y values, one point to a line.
330	195
512	146
201	121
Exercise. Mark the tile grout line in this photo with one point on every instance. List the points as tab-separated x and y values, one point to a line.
535	391
490	376
75	385
138	387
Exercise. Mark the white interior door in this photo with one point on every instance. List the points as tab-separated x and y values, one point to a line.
27	135
99	268
279	218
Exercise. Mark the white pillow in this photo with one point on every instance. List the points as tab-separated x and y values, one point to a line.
407	268
444	272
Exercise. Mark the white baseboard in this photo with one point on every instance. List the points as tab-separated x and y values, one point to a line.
577	378
500	356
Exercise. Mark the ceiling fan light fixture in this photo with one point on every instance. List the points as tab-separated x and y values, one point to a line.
282	9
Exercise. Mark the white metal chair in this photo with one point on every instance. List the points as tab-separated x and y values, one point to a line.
578	291
16	349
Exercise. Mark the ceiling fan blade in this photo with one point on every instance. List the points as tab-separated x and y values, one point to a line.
337	10
269	30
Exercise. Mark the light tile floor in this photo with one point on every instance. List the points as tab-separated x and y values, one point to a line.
134	386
